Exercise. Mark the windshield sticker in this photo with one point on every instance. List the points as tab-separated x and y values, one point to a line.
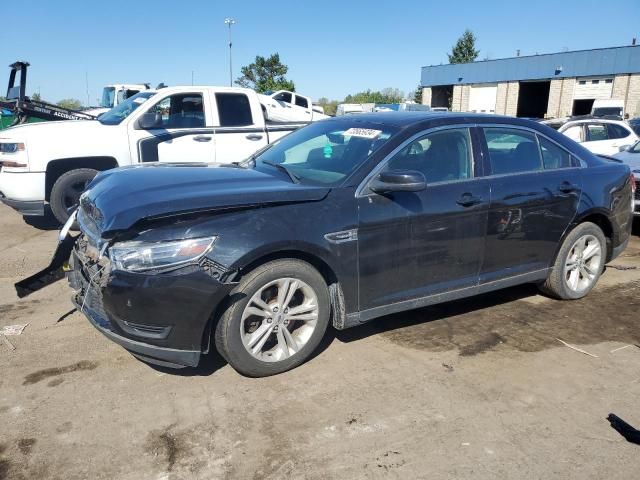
362	132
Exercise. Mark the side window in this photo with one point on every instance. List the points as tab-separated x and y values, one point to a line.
283	97
553	156
616	131
574	133
180	111
512	151
441	156
234	109
596	132
301	102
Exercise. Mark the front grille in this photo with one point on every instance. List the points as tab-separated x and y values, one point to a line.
88	277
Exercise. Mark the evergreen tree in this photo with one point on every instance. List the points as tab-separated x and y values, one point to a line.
265	74
464	51
417	96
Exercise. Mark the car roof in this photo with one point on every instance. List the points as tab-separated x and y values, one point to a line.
406	119
595	120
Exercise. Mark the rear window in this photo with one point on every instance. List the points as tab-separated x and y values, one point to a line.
512	151
596	132
617	131
553	156
302	102
234	109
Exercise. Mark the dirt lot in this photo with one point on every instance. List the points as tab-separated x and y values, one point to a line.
474	389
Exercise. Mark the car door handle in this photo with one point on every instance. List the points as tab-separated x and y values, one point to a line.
202	138
468	200
567	187
253	136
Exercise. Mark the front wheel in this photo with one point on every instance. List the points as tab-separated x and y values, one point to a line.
66	191
279	320
579	263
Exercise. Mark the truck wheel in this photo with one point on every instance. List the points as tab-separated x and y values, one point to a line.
279	320
579	263
65	194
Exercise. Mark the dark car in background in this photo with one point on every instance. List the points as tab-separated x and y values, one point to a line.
340	222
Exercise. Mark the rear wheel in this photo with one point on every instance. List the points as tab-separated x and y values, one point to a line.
66	191
579	263
279	321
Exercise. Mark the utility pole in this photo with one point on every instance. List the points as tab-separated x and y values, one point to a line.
230	21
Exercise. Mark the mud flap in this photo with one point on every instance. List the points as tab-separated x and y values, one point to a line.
53	273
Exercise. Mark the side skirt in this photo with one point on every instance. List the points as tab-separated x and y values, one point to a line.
357	318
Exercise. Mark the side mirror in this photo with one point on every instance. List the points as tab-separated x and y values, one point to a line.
149	121
624	148
399	181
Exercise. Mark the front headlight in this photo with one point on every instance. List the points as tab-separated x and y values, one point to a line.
137	256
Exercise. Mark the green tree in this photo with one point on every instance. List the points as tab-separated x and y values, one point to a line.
464	51
386	95
70	103
330	106
417	95
265	74
36	97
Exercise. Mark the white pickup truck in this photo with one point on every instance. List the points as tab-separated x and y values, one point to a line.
285	106
52	162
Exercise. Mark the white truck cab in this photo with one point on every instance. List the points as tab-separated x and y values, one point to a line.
608	108
114	95
52	162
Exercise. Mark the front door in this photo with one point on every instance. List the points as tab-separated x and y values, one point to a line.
180	134
535	189
414	244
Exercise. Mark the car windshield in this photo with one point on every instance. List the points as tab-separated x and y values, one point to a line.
126	108
326	152
108	94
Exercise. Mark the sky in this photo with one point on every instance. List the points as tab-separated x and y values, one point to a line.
333	48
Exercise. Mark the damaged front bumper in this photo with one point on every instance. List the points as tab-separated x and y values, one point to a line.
163	318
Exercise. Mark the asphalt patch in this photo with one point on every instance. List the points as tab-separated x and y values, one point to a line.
40	375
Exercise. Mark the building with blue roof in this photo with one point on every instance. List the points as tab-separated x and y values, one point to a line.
539	86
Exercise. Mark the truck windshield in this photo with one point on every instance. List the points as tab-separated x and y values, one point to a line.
108	94
116	115
607	111
325	153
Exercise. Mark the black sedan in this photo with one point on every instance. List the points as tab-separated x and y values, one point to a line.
338	223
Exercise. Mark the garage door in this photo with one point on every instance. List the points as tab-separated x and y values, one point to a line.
482	98
597	88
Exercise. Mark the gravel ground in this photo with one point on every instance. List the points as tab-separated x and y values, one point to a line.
480	388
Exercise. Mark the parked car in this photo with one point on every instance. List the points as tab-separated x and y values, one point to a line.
631	156
53	162
340	222
600	136
634	123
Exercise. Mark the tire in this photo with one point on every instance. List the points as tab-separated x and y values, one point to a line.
66	191
562	282
237	333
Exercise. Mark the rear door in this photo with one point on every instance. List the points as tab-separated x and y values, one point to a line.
416	244
240	127
183	134
535	190
597	139
620	136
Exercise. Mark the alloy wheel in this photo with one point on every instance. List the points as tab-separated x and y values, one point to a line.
583	263
279	319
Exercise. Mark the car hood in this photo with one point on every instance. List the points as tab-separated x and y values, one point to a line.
117	199
68	128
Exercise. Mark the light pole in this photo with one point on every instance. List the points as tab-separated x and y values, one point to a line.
230	21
